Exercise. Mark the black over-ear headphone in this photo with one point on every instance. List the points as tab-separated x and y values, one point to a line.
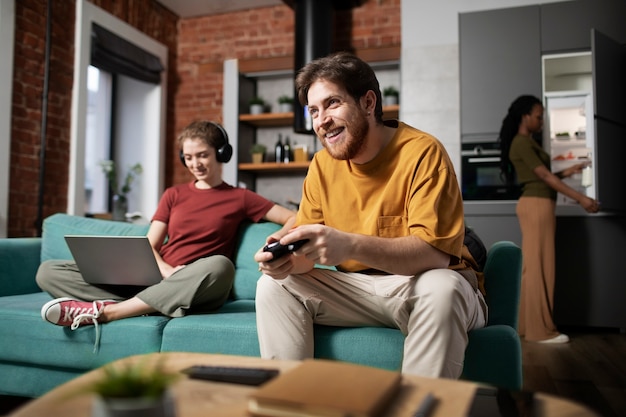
223	153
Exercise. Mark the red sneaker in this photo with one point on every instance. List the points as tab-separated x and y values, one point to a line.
73	313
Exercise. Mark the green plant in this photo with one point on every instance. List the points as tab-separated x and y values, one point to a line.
109	169
133	380
285	99
391	91
257	100
258	148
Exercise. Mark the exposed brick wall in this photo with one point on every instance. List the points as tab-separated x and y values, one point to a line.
28	90
205	42
197	49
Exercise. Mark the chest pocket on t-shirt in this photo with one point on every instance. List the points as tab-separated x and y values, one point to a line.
392	226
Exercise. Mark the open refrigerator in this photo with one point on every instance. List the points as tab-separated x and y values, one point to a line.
569	134
585	110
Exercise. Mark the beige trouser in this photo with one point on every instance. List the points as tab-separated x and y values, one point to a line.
537	222
435	310
203	285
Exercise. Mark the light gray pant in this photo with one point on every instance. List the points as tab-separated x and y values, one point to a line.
434	310
203	285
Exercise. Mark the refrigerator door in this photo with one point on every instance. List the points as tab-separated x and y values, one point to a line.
609	91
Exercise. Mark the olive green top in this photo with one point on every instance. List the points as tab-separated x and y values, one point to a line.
526	155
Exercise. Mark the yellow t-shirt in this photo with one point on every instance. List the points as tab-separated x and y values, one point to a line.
410	188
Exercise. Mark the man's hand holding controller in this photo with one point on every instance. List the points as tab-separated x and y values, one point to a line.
279	250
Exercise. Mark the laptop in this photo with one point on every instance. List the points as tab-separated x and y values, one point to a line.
115	260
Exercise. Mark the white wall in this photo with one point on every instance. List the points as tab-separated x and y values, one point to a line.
7	24
429	96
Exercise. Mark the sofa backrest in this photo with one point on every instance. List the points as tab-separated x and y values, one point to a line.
250	239
58	225
503	278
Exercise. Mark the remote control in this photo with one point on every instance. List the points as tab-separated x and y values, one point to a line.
231	374
279	250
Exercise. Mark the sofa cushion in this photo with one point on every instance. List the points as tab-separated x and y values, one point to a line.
29	339
231	330
58	225
373	346
250	239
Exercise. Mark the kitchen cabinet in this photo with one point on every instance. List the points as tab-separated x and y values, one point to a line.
500	59
590	289
500	53
565	26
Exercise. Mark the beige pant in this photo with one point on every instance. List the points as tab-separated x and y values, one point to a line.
537	222
435	310
203	285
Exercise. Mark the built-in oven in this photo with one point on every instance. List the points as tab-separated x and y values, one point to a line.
481	178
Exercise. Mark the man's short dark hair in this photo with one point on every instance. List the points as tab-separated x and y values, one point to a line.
344	69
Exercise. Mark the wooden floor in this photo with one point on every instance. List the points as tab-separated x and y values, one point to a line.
591	370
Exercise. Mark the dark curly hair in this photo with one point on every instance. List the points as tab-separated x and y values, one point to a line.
522	105
344	69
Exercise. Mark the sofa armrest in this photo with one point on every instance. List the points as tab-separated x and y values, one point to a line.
503	277
19	260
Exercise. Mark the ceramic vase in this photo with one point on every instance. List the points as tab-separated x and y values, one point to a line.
257	158
257	108
390	100
285	107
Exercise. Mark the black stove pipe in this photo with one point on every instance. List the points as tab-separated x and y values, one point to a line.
314	21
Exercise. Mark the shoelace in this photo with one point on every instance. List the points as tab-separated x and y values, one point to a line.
97	311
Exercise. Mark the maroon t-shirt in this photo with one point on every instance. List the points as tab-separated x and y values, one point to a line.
205	222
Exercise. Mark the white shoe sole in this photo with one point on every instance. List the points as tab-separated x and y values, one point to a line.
562	338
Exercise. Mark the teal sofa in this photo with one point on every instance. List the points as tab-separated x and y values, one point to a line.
36	356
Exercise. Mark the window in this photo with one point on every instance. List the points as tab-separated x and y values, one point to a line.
138	135
97	139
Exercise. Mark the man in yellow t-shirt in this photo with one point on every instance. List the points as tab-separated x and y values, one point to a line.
380	202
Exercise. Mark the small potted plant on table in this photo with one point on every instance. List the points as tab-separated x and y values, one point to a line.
135	389
120	194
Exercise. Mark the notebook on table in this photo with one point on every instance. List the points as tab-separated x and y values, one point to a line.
115	260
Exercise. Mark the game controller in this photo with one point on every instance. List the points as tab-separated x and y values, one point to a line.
279	250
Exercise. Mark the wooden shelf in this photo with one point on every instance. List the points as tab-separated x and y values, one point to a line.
275	167
267	119
391	112
286	119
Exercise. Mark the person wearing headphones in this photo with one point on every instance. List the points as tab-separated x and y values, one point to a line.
192	235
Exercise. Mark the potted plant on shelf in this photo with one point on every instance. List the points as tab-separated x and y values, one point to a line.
390	96
257	105
258	153
285	104
138	389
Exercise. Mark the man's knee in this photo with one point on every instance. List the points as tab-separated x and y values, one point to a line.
439	283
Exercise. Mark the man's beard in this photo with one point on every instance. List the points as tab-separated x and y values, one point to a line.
356	131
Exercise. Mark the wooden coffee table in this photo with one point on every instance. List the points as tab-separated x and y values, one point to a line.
204	398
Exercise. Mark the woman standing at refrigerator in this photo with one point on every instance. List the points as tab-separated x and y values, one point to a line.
524	158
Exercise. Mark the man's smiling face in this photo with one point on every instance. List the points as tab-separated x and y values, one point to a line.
339	121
